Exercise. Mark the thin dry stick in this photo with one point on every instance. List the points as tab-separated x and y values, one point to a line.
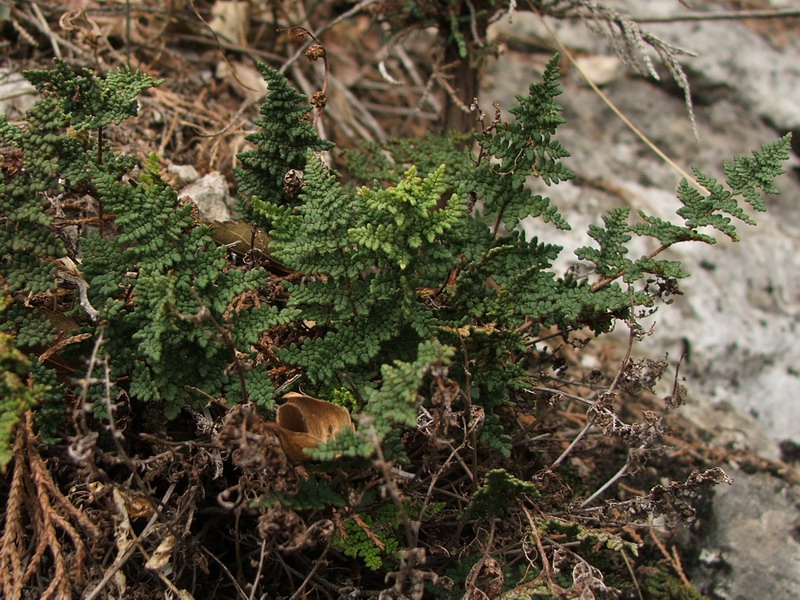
317	563
614	478
442	79
227	571
432	485
629	566
572	445
412	71
469	430
45	27
469	586
776	13
556	392
258	571
42	26
548	572
365	116
679	567
647	141
671	558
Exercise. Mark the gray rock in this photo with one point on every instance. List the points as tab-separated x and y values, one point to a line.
753	549
733	56
211	195
17	94
185	174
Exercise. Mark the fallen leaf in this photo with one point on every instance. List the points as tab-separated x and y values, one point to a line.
162	554
320	418
239	236
305	422
230	20
140	508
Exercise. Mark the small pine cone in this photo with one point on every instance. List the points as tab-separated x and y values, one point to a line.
293	182
314	52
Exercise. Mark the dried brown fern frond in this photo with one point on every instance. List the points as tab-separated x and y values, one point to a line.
40	521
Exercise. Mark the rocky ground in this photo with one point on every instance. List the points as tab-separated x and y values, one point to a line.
738	321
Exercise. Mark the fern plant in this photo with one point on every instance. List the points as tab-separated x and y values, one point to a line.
432	256
168	308
269	171
411	295
437	254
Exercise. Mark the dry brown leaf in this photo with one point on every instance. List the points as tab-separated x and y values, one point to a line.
139	508
320	418
162	554
239	236
231	20
244	78
305	422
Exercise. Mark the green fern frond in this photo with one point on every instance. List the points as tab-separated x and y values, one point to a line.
746	175
610	258
401	223
89	101
523	148
498	491
285	136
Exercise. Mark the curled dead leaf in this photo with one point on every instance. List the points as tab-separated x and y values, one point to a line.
139	508
320	418
305	422
162	554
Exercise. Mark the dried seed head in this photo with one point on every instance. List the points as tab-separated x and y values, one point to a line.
293	182
314	52
319	100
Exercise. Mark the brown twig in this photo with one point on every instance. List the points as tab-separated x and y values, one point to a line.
672	558
35	498
629	566
475	571
776	13
548	571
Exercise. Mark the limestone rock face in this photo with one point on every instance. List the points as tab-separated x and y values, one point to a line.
753	549
739	315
